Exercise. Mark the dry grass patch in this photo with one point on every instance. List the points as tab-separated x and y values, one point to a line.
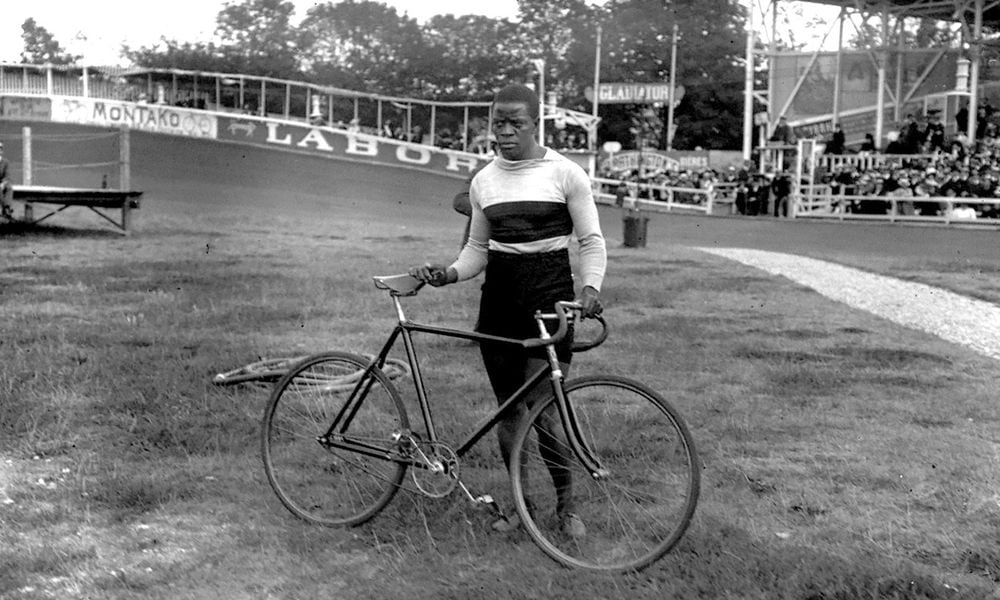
844	456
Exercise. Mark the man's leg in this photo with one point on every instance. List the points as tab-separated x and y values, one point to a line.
553	447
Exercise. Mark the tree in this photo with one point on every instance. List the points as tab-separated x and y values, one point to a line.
258	38
171	54
41	47
474	56
367	46
637	48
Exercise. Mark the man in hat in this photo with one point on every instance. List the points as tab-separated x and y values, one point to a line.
6	208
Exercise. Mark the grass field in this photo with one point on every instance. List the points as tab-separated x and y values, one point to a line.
844	456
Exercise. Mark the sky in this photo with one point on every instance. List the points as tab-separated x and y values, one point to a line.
97	28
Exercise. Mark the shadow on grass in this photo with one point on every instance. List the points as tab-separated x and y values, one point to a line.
21	229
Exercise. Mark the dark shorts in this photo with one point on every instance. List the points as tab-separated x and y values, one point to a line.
516	286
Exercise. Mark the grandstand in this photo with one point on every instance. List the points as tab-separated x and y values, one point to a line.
451	138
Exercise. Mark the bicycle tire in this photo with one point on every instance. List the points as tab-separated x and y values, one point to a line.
330	486
641	511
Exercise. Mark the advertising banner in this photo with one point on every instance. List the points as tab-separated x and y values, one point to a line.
26	108
634	93
654	161
339	143
155	118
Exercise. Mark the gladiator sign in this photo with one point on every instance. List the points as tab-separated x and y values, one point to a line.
156	118
633	93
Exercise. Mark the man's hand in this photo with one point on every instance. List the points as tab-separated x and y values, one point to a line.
434	274
590	304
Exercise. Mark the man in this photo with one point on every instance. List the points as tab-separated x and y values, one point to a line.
6	208
526	205
837	142
783	132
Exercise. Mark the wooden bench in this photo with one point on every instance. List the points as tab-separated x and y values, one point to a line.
97	200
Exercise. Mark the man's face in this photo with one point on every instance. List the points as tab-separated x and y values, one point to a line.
514	129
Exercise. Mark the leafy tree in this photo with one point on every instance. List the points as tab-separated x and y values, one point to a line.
474	56
556	31
171	54
636	47
257	36
41	47
366	45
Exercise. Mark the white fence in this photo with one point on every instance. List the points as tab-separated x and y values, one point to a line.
820	203
717	199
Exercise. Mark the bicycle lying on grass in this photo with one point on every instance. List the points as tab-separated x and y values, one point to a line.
337	456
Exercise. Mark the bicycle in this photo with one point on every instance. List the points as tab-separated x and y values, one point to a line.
337	457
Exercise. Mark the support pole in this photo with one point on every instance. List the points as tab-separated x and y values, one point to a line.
465	130
124	162
541	103
125	176
26	170
263	98
673	85
836	80
597	89
976	50
880	102
433	124
748	84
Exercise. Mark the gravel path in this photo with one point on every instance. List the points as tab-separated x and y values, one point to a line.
950	316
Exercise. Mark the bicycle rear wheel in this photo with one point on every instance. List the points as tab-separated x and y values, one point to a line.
317	482
636	514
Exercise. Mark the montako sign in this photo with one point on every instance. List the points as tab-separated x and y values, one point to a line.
156	118
339	143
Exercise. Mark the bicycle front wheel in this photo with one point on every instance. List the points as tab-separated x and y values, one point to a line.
620	522
320	483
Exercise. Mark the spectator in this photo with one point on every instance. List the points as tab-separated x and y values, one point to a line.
962	120
963	211
781	188
935	132
869	144
912	136
6	189
783	132
837	141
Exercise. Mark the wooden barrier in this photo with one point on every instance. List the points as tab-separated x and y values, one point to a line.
97	200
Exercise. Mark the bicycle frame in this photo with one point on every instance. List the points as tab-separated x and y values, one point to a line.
404	329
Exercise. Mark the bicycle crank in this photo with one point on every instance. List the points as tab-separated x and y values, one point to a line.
435	468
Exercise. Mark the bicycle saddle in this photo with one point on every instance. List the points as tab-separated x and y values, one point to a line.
399	285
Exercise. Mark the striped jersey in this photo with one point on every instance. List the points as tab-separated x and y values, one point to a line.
532	206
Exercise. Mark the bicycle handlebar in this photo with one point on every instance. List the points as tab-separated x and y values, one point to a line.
562	310
405	285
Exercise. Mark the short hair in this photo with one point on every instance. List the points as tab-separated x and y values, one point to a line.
520	94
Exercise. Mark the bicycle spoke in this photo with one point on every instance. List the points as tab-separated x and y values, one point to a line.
332	485
637	513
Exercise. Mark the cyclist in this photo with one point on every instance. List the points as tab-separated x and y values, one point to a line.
526	206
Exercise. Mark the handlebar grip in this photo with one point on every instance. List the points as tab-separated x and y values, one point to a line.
589	344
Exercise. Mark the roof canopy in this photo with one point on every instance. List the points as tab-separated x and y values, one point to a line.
941	10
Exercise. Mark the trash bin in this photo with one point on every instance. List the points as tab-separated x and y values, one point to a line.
635	230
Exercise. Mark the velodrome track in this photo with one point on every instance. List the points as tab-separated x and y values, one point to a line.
217	178
220	182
